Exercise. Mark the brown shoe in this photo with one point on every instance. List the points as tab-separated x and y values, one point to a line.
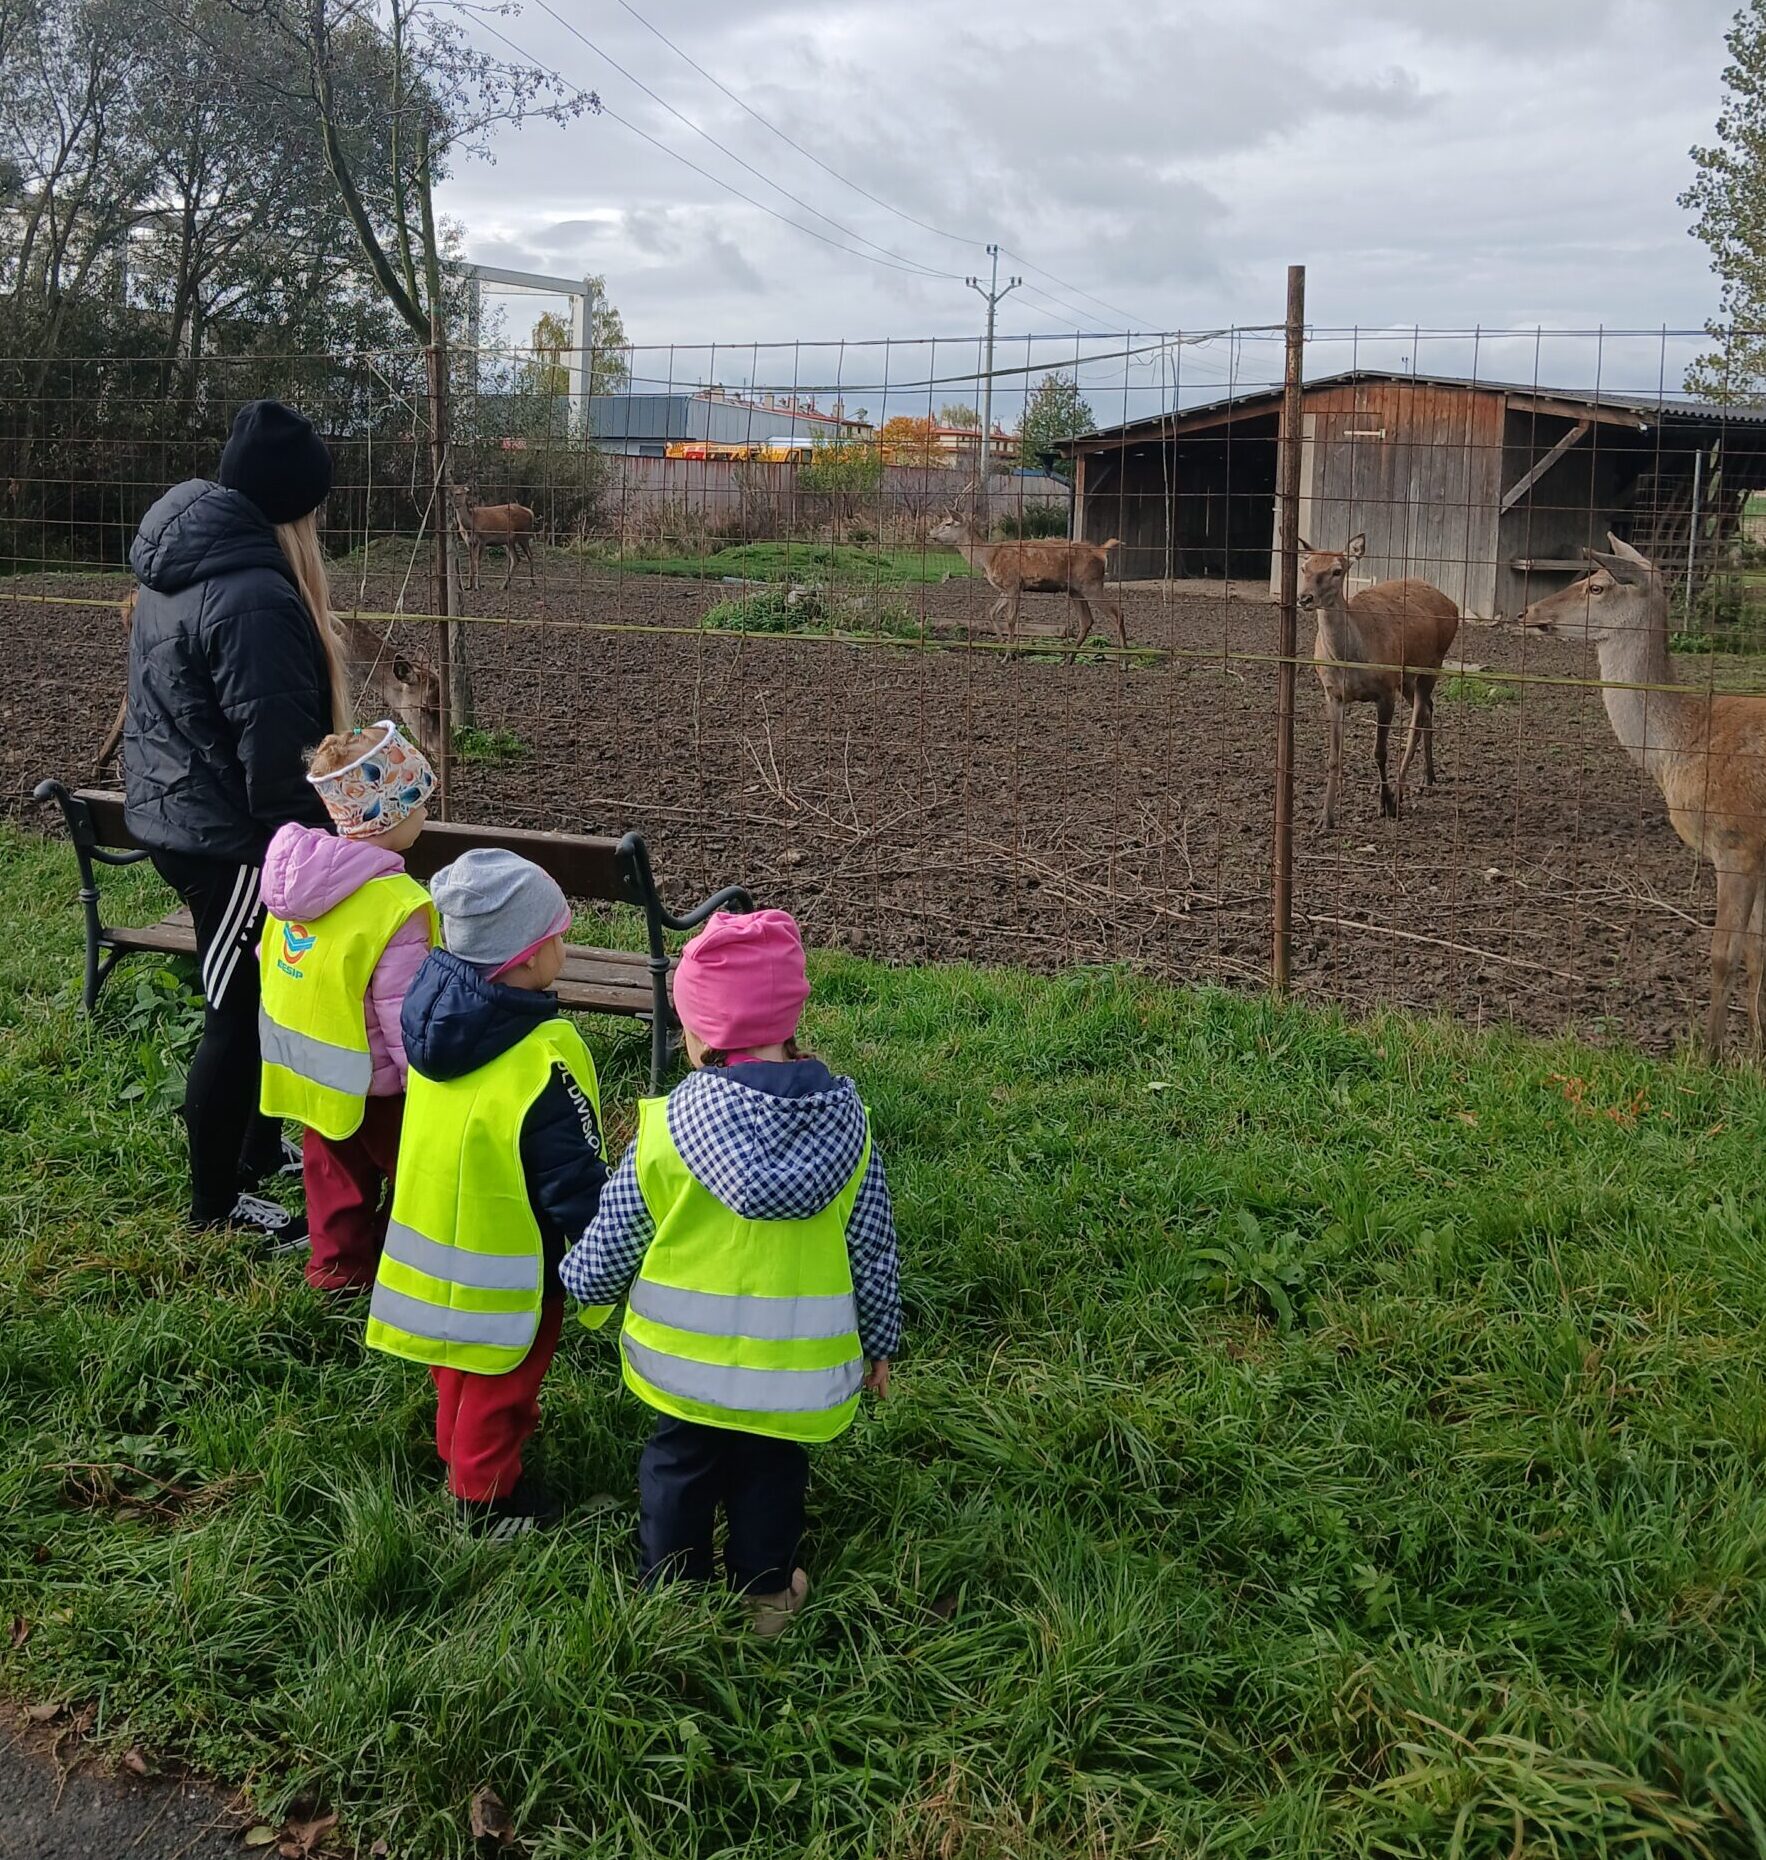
770	1615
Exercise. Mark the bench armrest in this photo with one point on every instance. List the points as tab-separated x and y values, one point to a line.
87	851
657	918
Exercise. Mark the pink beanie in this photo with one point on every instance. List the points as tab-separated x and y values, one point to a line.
741	981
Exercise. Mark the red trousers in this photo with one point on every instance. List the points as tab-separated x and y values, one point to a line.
349	1197
483	1422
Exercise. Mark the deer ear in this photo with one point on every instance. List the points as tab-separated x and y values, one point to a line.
1630	568
1622	548
1356	547
1304	546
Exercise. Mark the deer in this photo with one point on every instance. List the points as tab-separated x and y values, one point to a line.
1371	648
1705	751
1012	569
509	525
384	683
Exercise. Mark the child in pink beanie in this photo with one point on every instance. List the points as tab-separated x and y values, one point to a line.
750	1220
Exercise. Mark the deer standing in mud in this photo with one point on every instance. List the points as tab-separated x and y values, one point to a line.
1371	648
508	525
1705	751
1013	569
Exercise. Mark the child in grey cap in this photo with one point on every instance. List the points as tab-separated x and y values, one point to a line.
502	1168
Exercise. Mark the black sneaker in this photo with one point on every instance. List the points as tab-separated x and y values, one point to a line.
277	1229
530	1507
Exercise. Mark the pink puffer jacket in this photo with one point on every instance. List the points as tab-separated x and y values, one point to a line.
307	872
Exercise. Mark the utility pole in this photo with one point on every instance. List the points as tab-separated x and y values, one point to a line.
991	297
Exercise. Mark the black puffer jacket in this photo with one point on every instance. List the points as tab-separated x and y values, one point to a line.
228	685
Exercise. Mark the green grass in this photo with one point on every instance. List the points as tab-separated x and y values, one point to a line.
1469	688
814	613
789	561
1312	1439
494	748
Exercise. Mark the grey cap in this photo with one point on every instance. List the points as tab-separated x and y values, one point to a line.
496	906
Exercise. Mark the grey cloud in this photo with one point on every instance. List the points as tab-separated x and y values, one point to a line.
1440	161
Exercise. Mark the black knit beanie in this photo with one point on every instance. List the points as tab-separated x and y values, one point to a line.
275	457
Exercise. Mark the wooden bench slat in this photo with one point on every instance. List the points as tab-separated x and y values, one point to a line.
601	981
585	866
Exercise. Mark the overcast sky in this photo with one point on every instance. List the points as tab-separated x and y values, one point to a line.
1448	163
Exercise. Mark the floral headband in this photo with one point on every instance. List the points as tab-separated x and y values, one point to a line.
385	784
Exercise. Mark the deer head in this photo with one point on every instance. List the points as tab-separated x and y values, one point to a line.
1621	596
385	682
1323	572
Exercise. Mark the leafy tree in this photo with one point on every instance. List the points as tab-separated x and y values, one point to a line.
842	472
1055	411
546	371
956	413
907	440
1728	198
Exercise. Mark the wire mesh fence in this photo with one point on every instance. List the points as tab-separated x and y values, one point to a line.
791	611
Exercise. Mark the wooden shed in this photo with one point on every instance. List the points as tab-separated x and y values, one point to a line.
1489	490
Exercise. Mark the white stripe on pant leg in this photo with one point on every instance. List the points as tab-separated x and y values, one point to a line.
241	936
219	940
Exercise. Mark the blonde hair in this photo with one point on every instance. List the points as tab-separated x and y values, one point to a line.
300	544
338	751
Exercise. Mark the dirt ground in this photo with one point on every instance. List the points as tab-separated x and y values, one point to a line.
921	804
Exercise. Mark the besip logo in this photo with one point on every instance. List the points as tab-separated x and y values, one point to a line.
296	941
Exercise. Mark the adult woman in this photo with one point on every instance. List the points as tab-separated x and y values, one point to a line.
233	675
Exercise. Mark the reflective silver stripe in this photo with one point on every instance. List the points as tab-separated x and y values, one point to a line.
757	1391
506	1330
728	1314
318	1061
486	1272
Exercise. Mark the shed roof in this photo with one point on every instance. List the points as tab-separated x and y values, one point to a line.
1568	403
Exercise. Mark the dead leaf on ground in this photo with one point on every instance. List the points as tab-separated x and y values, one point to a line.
21	1632
135	1762
304	1837
261	1834
379	1850
491	1821
44	1713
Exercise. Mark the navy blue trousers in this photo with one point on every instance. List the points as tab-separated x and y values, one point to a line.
687	1471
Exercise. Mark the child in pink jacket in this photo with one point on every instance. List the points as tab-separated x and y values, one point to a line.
377	805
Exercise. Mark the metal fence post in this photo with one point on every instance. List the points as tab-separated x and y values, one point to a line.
435	356
1288	541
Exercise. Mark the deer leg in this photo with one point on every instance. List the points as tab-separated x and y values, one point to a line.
112	737
1383	710
1115	606
1333	758
474	549
534	581
508	563
1754	950
1422	718
1087	622
1736	893
1012	600
1425	690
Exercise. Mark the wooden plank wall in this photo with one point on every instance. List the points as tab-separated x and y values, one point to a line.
1416	466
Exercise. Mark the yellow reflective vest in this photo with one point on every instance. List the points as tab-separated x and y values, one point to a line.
745	1324
312	1013
461	1278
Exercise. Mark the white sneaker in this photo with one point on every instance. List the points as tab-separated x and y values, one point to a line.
770	1615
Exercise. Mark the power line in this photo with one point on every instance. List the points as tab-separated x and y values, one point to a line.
809	155
680	116
858	188
729	187
1102	303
